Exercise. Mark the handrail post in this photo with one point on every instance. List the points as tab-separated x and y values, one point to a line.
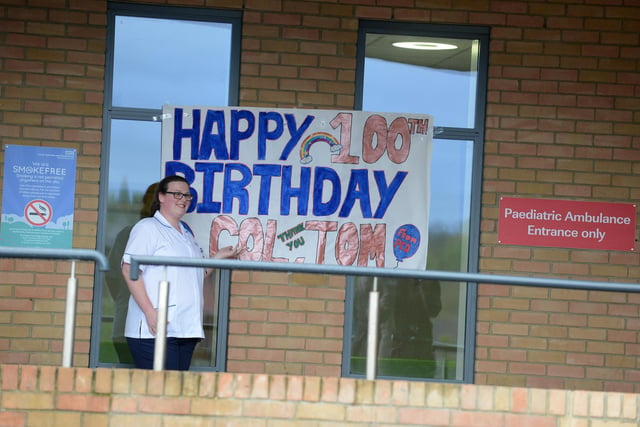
372	331
69	318
72	283
160	347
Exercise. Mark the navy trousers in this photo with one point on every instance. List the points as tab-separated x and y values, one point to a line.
178	355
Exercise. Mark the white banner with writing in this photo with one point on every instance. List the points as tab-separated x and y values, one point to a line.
298	185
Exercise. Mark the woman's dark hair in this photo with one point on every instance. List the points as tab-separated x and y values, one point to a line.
162	187
147	201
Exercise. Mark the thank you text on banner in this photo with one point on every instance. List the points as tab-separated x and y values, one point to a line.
312	186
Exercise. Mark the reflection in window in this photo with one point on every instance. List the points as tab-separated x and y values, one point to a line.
440	82
421	328
421	323
169	61
157	58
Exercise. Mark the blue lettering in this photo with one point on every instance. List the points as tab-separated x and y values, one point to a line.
209	170
295	132
242	127
236	189
237	177
387	193
236	134
266	172
359	179
264	134
329	207
179	133
213	141
301	193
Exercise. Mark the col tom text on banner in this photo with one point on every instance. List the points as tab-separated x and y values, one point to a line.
297	185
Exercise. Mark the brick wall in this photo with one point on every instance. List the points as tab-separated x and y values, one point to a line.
286	323
52	58
69	397
563	119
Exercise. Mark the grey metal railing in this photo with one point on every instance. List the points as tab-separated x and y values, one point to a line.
72	255
374	272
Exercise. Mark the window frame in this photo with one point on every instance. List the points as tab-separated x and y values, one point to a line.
474	134
111	113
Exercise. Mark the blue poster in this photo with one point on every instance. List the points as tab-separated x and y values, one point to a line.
38	197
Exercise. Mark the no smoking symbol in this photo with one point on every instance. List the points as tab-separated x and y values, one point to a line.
38	212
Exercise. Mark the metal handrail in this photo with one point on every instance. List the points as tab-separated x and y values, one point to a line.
44	253
362	271
448	276
72	255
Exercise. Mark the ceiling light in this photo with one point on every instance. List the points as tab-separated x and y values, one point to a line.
425	45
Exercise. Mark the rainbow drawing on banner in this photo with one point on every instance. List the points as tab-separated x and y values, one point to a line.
305	156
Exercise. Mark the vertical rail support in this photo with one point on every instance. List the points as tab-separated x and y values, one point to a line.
70	317
160	346
372	331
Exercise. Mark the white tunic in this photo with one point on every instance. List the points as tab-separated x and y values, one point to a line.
155	236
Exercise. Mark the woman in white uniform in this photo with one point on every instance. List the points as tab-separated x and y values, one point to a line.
165	234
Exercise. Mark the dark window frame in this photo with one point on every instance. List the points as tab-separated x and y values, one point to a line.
475	134
111	112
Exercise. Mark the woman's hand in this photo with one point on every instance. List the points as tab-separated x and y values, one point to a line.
152	321
139	294
229	252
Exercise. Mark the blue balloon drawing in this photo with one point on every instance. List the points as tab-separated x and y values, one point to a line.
406	241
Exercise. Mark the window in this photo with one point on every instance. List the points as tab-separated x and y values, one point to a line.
426	328
156	56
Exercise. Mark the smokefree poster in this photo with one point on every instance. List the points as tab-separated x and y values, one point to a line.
38	197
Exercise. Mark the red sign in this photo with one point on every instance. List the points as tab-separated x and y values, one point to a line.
567	224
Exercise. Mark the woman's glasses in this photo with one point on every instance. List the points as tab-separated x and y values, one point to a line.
178	195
